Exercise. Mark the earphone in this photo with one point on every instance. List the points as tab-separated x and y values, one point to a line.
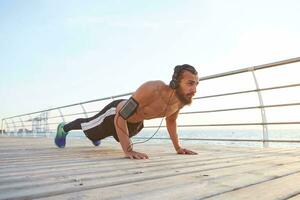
174	82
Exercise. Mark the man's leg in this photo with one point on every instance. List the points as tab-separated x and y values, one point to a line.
63	130
75	125
93	124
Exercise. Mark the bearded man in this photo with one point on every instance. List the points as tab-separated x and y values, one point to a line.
123	118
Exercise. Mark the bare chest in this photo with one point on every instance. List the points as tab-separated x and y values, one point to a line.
156	109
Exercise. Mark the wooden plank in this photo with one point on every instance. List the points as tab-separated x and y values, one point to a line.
280	187
187	186
34	168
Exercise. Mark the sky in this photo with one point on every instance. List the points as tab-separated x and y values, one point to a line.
58	52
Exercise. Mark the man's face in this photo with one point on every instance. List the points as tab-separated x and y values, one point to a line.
187	87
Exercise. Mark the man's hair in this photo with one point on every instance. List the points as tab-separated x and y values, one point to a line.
178	71
189	68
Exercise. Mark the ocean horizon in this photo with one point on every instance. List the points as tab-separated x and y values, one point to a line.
162	136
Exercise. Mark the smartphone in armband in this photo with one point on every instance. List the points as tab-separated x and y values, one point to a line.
129	108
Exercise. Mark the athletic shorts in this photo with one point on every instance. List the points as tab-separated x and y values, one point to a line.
102	124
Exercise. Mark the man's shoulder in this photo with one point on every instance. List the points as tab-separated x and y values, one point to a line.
150	88
156	83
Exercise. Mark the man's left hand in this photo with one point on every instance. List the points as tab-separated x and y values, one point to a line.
186	151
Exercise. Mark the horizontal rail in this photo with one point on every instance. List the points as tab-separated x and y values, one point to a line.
71	105
223	139
198	112
248	91
217	125
241	108
233	124
258	67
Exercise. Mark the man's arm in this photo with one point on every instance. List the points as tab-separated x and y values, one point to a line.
123	135
172	129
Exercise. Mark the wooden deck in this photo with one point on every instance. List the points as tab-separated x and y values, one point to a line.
33	168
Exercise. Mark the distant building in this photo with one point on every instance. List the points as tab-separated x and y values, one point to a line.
39	124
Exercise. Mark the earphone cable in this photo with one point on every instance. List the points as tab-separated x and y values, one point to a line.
165	112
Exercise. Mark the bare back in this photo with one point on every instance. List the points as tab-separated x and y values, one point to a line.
156	99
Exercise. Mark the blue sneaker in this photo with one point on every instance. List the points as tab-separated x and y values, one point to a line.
60	138
96	143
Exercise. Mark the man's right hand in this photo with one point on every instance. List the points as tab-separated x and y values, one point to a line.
136	155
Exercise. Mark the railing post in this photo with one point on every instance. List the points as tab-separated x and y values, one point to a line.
15	128
2	127
31	120
262	110
61	115
46	125
84	111
7	126
22	126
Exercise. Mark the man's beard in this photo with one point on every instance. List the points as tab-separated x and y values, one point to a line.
184	98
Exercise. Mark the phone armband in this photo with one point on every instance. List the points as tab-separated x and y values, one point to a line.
128	108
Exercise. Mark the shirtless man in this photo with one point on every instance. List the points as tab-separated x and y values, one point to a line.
123	119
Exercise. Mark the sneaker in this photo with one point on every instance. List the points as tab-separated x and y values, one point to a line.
96	143
60	138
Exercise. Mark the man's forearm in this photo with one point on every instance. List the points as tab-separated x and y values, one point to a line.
123	134
172	129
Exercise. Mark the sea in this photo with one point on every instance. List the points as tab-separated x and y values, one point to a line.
196	136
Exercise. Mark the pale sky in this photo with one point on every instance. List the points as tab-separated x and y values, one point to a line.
58	52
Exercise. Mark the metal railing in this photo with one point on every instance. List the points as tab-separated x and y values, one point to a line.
20	124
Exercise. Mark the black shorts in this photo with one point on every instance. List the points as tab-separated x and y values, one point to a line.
102	124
